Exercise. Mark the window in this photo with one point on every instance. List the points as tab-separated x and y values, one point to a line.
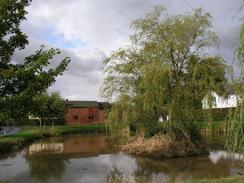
75	117
91	117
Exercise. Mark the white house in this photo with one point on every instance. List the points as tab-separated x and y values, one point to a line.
228	101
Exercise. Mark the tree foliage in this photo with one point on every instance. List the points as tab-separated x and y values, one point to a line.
240	51
165	71
235	128
48	107
12	13
21	80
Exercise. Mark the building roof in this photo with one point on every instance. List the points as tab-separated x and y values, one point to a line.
105	105
81	104
86	104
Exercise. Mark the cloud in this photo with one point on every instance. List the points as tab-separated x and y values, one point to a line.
81	80
89	30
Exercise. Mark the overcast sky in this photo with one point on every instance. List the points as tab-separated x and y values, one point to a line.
89	30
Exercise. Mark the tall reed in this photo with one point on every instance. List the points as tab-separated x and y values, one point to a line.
235	130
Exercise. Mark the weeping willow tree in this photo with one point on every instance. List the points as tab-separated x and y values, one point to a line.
235	129
165	71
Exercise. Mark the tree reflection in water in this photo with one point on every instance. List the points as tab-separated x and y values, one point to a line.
175	170
118	177
48	161
115	177
44	167
136	174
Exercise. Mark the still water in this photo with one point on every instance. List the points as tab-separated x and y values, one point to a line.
93	159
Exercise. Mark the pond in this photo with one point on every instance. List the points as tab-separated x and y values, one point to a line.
93	159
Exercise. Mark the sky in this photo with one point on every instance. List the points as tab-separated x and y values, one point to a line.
88	31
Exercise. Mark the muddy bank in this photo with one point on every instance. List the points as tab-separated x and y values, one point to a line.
162	147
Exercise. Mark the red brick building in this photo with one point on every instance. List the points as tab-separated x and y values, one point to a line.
85	112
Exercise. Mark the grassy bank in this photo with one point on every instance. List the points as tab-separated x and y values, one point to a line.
29	135
221	180
200	125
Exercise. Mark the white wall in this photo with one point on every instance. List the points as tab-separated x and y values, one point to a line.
220	102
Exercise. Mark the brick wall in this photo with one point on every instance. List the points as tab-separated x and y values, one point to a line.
78	116
85	145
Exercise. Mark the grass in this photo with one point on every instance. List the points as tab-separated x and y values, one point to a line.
221	180
30	134
198	125
56	131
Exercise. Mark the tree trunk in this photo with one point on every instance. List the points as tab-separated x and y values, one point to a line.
52	124
44	123
40	120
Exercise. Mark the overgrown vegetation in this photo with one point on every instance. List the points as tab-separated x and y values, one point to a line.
162	147
235	139
165	72
235	130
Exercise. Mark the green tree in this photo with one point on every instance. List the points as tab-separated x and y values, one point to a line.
165	71
240	52
48	107
235	130
12	13
24	79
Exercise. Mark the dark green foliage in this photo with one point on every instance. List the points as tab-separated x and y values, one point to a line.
48	107
21	80
46	121
12	13
218	114
149	122
235	130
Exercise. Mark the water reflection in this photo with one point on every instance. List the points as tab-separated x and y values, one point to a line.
53	148
48	160
183	169
216	156
84	159
43	168
72	145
